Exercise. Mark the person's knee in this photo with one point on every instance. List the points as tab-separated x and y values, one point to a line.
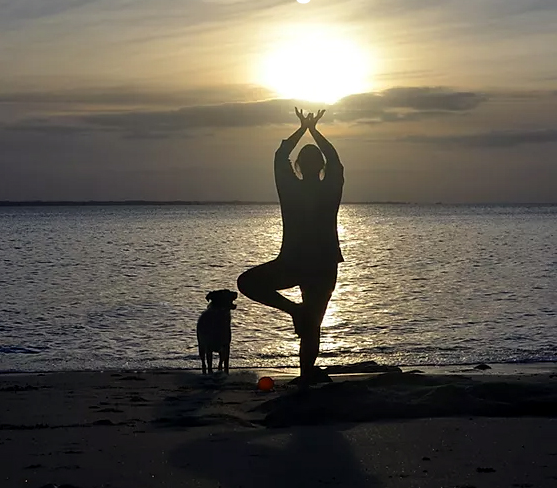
244	283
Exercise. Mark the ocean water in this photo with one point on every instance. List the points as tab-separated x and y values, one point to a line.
99	288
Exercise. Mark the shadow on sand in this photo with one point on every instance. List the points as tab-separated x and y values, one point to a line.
230	447
274	458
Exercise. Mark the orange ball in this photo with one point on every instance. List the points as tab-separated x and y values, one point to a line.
265	383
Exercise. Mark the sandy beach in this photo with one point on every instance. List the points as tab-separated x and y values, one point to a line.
451	427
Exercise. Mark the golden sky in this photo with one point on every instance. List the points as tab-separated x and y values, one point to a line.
429	100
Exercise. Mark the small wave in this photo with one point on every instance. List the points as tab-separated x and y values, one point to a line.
21	350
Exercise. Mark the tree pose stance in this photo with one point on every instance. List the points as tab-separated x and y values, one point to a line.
310	250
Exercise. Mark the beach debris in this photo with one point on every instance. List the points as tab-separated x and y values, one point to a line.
110	410
52	485
137	398
362	367
482	367
19	388
103	422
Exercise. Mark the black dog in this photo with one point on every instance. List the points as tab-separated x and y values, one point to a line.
213	329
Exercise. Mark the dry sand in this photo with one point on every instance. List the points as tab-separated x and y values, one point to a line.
450	428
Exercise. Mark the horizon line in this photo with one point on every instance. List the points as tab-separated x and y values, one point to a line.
21	203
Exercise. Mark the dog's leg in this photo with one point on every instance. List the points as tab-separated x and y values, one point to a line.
202	356
210	361
221	356
226	354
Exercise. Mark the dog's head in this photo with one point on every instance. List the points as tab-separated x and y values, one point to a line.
222	299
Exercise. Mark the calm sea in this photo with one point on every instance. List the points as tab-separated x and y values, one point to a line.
122	287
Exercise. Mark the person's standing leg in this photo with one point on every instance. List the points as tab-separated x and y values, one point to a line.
262	282
316	293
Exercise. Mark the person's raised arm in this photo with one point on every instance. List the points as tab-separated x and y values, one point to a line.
334	166
283	166
289	144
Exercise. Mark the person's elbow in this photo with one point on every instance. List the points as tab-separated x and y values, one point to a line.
282	150
335	174
333	161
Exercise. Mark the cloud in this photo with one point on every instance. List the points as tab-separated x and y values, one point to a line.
519	7
417	103
417	98
44	127
426	98
413	116
393	105
494	139
164	13
226	115
404	74
407	104
131	95
32	9
22	14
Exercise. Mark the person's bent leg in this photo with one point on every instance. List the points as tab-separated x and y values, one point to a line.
262	282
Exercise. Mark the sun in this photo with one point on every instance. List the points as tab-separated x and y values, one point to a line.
316	65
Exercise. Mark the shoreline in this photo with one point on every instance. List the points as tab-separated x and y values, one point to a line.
531	367
136	202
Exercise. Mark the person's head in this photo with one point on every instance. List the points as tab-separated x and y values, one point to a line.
310	161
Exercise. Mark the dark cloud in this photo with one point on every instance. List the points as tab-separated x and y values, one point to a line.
406	104
412	116
425	98
229	115
130	95
403	104
43	126
496	139
187	13
405	74
397	8
519	7
33	9
417	98
391	105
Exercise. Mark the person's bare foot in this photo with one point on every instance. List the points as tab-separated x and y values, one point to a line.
316	376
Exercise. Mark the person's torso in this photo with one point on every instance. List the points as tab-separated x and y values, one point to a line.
309	215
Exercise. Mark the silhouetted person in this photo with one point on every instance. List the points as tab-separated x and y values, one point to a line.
310	250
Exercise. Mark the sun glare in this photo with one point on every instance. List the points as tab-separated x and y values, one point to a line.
318	66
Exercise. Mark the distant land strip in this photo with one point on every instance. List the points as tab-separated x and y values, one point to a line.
67	203
106	203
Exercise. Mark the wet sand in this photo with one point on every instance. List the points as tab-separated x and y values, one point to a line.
445	427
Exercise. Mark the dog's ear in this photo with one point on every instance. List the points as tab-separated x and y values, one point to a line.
210	296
